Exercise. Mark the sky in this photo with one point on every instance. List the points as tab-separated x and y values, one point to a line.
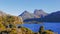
16	7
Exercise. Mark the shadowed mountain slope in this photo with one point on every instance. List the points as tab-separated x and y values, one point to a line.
53	17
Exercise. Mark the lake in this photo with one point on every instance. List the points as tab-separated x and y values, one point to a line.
35	27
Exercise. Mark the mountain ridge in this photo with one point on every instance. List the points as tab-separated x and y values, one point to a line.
36	14
53	17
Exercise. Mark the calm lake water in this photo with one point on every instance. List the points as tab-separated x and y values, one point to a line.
35	27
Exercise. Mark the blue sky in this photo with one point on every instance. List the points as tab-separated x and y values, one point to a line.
16	7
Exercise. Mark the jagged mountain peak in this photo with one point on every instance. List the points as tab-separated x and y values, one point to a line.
40	12
36	14
25	11
26	15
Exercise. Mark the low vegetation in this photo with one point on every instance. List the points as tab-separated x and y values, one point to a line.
8	25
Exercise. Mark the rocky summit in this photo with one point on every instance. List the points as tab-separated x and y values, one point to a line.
36	14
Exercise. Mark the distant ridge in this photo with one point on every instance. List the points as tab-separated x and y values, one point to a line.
36	14
30	17
26	15
53	17
39	12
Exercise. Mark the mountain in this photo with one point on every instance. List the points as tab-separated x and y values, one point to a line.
36	14
40	13
53	17
26	15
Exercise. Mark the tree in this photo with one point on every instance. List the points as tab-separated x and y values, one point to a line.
41	29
